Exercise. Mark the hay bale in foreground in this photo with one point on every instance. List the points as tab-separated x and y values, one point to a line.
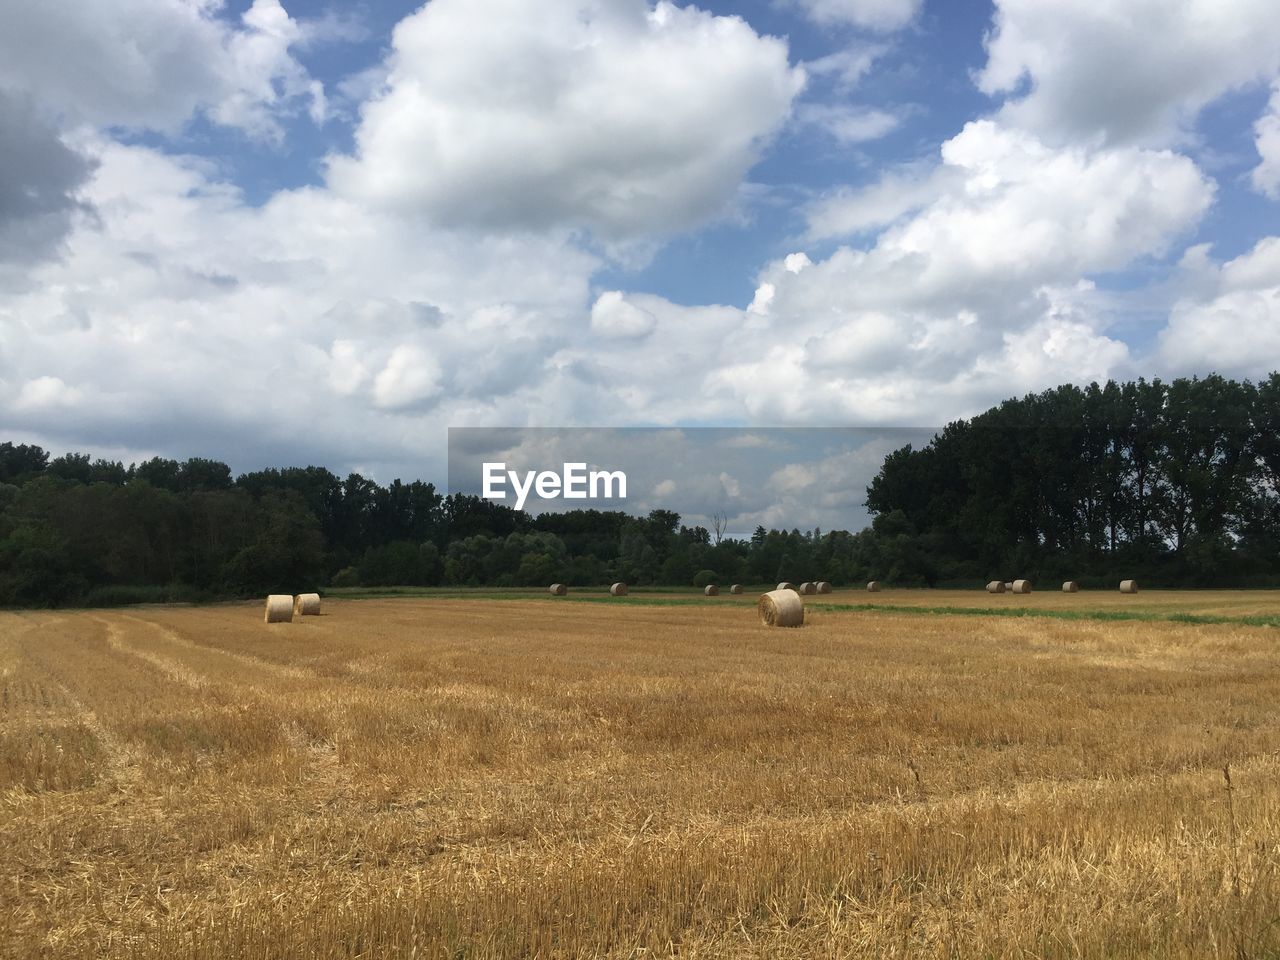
785	585
1128	586
306	605
824	587
995	586
873	586
1071	587
558	589
279	608
736	589
1022	586
711	590
781	608
808	588
618	590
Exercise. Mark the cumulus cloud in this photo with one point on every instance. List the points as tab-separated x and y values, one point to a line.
877	15
607	114
1231	324
1125	70
39	175
155	63
1266	175
613	316
849	124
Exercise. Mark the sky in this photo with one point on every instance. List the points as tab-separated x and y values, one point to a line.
281	232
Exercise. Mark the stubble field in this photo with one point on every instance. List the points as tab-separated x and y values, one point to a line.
439	777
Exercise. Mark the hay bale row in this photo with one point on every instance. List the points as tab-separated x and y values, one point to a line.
781	608
808	588
618	590
711	590
1022	586
824	587
558	590
995	586
736	589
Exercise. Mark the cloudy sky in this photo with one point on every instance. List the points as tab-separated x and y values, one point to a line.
302	231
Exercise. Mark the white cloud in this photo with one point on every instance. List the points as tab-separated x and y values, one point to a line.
613	316
845	212
1266	175
878	15
607	114
155	63
1125	70
1233	325
849	124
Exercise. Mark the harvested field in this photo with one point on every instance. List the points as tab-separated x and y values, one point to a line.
658	775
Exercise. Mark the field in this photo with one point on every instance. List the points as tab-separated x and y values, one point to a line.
943	774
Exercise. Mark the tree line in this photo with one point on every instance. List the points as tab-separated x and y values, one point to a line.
1174	484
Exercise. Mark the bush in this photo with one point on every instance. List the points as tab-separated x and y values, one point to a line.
346	577
704	577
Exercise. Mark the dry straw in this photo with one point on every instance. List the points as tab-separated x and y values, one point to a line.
1128	586
306	605
995	586
808	588
1071	587
1022	586
618	589
1008	584
736	589
873	586
559	590
781	608
786	585
824	587
711	590
279	608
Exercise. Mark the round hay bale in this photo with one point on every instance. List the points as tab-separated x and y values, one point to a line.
1071	587
1008	584
781	608
1128	586
736	589
785	585
873	586
618	590
279	608
1022	586
824	587
306	605
808	588
995	586
558	589
711	590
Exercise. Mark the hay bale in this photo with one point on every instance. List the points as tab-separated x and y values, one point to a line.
618	590
279	608
559	590
995	586
736	589
1128	586
711	590
781	608
1008	584
306	605
808	588
824	587
1071	587
873	586
785	585
1022	586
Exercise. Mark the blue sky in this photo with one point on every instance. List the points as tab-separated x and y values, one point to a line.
296	232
